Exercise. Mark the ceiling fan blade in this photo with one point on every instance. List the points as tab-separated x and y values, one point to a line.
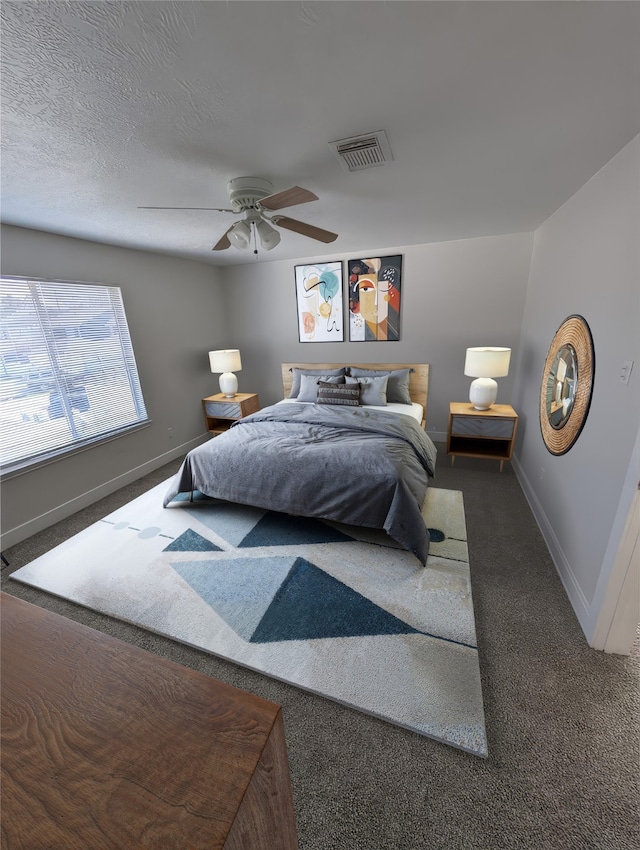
305	229
223	242
289	198
209	209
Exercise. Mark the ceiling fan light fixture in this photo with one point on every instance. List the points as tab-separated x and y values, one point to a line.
252	197
240	235
269	236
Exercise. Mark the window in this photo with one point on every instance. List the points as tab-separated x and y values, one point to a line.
68	374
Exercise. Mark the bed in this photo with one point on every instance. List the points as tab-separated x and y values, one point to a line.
351	461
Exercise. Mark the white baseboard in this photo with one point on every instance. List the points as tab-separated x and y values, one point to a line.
16	535
577	598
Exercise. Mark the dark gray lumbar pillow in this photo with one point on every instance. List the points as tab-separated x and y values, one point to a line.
339	394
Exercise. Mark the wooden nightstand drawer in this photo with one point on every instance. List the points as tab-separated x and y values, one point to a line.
223	409
472	426
220	412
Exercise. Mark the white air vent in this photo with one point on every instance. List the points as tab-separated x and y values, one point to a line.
359	152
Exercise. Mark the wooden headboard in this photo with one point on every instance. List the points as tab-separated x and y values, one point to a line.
418	377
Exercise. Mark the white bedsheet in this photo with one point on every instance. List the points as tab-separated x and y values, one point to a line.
415	410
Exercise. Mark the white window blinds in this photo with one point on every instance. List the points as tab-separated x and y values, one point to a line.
68	375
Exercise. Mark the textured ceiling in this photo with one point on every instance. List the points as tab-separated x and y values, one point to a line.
496	113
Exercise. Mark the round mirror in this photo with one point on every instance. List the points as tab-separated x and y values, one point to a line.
567	384
561	386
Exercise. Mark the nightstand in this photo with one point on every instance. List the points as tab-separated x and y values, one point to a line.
481	433
220	411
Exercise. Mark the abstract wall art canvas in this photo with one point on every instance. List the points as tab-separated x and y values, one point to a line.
374	299
319	297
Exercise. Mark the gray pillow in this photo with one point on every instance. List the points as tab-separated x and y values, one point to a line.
398	386
373	390
338	394
309	386
323	373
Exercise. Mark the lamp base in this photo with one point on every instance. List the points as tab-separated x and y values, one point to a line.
483	392
228	384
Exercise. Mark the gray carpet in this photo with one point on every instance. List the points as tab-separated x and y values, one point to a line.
562	719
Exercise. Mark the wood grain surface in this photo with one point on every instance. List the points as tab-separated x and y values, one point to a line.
105	745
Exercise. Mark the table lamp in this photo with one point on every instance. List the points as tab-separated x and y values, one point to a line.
485	364
226	361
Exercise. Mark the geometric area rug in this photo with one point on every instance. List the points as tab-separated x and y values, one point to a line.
340	611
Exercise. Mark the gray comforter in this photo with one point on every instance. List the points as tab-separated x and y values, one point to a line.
352	465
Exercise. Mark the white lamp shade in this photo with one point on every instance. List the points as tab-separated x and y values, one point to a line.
487	362
225	360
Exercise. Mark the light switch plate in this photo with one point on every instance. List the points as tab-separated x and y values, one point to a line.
625	371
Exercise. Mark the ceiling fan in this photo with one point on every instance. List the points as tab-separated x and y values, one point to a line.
251	197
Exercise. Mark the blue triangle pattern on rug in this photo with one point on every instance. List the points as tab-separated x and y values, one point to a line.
238	589
275	529
312	604
266	600
191	541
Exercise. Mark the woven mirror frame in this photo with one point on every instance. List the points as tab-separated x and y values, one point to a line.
573	337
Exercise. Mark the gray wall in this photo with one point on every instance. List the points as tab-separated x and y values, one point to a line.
176	313
454	295
586	260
